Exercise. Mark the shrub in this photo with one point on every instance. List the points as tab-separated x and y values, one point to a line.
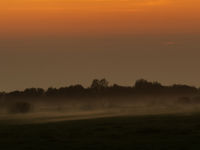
20	107
196	99
184	100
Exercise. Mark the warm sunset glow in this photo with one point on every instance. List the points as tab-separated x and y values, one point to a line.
57	42
69	17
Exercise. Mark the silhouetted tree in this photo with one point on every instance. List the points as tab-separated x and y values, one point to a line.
33	92
51	92
144	84
99	84
72	91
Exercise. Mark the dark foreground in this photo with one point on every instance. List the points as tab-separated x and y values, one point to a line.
164	132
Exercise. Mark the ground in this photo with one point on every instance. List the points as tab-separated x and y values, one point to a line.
153	132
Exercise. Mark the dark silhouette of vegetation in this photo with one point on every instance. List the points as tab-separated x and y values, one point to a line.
20	107
99	84
101	88
184	100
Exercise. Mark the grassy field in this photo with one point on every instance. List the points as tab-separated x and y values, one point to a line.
156	132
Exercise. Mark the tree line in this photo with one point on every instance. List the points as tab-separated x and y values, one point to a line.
101	88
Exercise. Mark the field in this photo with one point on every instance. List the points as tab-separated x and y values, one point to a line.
153	132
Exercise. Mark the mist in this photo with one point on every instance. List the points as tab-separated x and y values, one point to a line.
40	110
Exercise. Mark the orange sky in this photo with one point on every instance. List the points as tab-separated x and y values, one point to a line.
56	43
85	17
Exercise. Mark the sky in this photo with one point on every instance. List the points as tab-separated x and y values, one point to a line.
57	43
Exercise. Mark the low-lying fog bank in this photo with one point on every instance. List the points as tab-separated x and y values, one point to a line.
21	111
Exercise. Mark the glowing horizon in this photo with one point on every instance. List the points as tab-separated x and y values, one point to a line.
83	17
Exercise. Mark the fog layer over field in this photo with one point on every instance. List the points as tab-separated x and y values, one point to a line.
41	110
99	100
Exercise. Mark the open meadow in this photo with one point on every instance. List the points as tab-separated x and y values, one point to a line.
179	131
